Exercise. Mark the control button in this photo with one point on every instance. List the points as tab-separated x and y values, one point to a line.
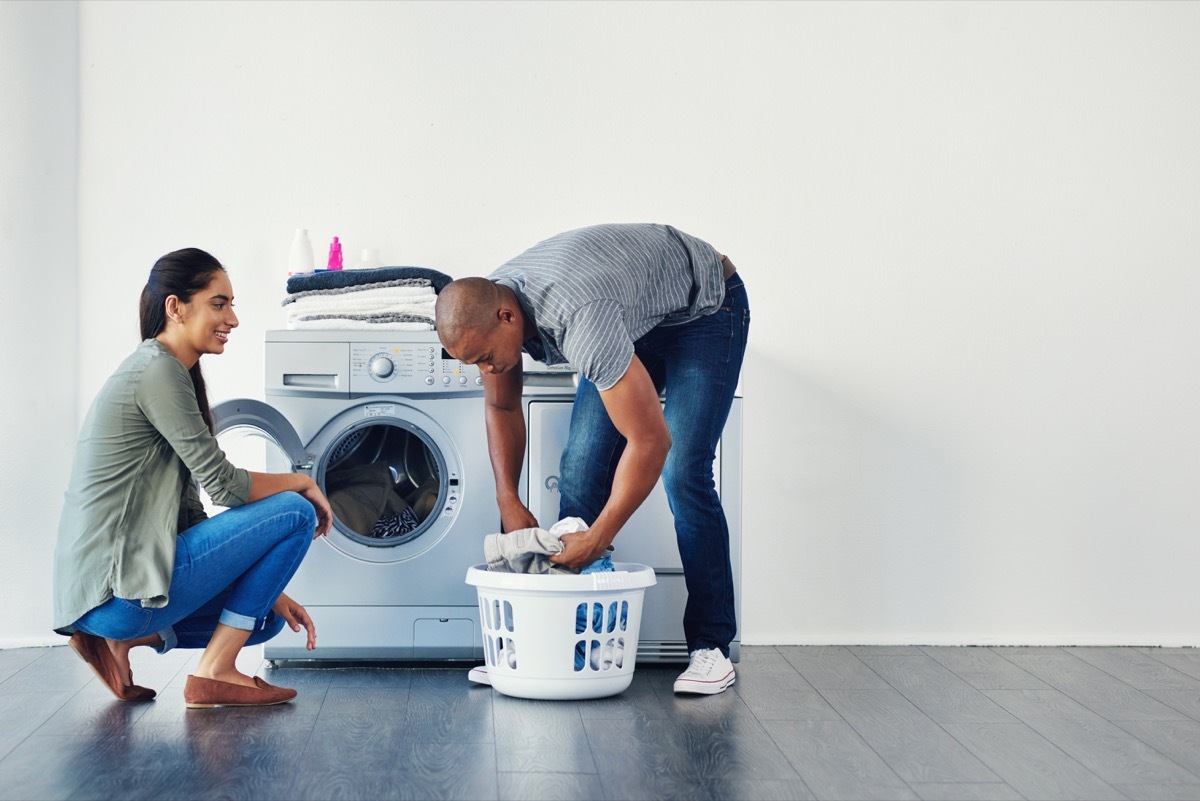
446	380
479	381
429	380
462	379
382	367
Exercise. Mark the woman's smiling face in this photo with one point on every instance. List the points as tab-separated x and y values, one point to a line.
208	318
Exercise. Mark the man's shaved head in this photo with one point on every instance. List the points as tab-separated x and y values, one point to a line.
468	304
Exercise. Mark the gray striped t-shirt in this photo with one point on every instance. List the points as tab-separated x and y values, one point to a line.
593	291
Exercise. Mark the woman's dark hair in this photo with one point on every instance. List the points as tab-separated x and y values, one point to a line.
182	273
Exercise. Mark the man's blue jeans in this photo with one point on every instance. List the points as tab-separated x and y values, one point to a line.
697	366
228	569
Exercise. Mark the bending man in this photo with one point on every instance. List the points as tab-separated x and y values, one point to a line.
638	310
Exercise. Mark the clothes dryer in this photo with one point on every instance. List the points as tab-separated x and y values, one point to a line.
392	430
649	536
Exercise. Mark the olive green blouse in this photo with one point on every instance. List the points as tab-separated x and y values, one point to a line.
130	491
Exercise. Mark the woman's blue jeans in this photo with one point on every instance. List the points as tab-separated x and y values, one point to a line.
228	569
696	365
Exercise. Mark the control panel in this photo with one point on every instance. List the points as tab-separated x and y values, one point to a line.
409	368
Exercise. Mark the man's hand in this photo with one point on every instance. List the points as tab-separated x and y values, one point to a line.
296	616
580	549
515	515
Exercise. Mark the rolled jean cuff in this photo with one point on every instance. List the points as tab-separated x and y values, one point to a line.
236	621
169	640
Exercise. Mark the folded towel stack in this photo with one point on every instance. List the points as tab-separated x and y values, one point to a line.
384	298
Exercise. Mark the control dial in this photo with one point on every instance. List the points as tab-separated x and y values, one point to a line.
381	366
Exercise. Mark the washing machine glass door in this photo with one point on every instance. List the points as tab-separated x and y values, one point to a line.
393	478
257	437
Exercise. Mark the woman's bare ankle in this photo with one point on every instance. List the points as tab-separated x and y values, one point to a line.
227	675
121	647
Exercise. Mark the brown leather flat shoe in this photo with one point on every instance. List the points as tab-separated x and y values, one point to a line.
94	651
201	693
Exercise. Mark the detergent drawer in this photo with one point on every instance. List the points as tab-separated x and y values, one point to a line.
308	369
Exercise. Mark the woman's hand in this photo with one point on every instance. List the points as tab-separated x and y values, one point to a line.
312	493
296	616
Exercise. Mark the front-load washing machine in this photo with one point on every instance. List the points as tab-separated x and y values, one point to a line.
392	429
649	536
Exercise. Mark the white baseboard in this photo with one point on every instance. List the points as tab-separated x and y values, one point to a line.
1040	640
40	641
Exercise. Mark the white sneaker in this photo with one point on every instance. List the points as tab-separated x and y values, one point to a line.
478	674
709	672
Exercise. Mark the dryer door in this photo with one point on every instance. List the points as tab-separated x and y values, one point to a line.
257	437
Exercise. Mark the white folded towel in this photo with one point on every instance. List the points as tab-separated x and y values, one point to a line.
350	305
341	324
412	293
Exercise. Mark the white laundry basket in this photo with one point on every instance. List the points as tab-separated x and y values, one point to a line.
561	637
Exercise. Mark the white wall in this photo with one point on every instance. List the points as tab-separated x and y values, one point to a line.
39	137
967	230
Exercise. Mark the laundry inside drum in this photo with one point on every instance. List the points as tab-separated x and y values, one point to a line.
383	482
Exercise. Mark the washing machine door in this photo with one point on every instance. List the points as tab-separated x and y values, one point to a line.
256	436
393	477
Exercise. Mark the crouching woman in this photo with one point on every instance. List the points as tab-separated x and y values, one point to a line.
137	561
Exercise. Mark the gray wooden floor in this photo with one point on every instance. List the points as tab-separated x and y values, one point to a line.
801	723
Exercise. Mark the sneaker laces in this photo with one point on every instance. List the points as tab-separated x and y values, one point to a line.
702	661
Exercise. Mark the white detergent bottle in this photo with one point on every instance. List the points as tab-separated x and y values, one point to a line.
300	260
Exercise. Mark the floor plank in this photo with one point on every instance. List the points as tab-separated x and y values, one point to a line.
550	787
13	660
707	748
992	791
984	669
936	690
1185	660
1101	746
1160	792
832	668
540	737
1030	764
1185	701
910	743
1136	669
1105	695
1179	741
23	713
835	763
